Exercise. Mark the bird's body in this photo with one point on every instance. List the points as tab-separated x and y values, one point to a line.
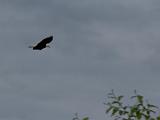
43	44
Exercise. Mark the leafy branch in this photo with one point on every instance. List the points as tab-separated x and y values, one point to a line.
140	110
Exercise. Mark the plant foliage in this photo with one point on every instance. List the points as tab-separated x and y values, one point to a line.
139	110
119	110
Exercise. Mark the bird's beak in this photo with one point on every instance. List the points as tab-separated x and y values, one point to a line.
30	46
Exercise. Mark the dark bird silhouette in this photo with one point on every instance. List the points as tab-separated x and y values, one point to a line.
42	44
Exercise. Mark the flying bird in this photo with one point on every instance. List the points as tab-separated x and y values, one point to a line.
42	44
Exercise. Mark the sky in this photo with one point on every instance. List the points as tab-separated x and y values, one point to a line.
98	45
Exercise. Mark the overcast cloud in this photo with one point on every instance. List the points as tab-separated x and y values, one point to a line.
98	45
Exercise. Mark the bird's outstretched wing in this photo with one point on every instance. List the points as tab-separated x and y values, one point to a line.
45	41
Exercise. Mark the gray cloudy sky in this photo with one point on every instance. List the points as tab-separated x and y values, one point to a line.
99	45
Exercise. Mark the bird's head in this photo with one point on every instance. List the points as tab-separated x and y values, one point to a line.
48	46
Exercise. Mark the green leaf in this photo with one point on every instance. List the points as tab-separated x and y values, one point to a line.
158	118
86	118
133	109
109	109
120	97
115	110
138	115
146	117
120	112
116	102
125	107
148	112
152	119
151	106
140	99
